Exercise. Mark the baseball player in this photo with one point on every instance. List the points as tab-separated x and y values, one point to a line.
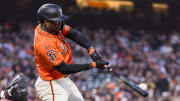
53	56
16	90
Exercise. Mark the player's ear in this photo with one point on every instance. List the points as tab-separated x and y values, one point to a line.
46	23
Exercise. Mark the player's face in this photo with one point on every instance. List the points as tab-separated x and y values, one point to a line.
54	26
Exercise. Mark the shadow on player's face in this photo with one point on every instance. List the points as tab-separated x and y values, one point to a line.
54	26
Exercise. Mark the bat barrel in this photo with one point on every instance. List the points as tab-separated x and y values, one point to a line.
130	83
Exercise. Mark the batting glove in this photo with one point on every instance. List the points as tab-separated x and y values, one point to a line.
94	55
99	64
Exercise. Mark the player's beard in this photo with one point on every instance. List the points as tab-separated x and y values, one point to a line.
56	29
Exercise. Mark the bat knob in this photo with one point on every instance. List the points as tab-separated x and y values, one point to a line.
110	69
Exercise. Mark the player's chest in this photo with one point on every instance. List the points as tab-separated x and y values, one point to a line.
63	44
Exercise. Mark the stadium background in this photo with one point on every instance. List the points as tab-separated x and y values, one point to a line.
140	38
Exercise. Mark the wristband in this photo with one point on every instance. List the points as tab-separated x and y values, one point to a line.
93	64
91	50
105	66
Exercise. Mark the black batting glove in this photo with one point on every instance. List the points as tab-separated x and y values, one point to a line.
99	64
94	55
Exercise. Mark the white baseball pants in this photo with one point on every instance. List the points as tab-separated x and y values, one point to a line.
62	89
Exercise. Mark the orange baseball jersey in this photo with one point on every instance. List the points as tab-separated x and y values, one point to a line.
50	50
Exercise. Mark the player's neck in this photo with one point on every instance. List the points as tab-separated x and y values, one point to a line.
46	30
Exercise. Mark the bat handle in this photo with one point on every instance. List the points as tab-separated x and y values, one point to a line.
110	69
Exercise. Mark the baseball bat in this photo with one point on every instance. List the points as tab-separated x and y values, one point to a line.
129	83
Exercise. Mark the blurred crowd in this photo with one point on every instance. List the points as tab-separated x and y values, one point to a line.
145	57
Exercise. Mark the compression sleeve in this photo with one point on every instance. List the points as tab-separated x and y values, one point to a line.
72	68
79	38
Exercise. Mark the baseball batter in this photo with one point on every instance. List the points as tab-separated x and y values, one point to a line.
53	56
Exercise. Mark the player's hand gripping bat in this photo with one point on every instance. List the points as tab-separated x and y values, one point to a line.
96	57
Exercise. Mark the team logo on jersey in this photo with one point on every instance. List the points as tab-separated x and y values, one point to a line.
63	49
51	55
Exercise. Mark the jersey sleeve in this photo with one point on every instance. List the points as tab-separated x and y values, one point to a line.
51	54
65	30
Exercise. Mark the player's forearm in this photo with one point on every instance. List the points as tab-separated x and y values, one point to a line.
72	68
79	38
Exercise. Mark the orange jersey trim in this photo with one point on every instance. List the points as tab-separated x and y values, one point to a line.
66	30
52	90
93	64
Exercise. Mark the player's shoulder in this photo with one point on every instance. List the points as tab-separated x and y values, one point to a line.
43	36
65	29
44	42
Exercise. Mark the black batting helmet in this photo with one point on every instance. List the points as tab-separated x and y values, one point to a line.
52	12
